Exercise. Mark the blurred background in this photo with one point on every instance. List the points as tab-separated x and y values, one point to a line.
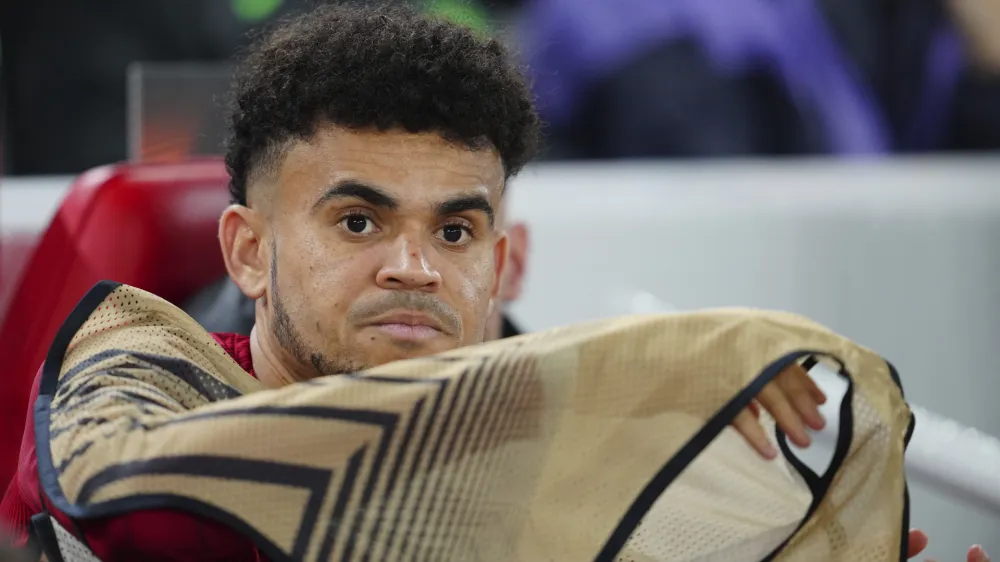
835	158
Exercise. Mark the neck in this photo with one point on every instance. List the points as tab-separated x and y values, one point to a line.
270	362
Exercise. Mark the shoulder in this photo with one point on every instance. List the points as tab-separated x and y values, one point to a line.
117	326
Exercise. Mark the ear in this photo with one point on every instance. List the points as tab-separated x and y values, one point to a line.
517	262
500	250
242	237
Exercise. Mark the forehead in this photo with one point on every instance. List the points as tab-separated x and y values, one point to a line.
413	167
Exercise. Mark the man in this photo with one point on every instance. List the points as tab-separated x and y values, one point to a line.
369	155
76	117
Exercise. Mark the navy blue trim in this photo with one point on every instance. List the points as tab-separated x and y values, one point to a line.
812	480
45	531
904	534
48	478
47	386
820	485
79	315
894	375
687	454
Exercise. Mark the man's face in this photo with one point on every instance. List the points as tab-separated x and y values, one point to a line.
381	247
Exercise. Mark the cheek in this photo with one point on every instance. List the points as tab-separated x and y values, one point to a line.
476	285
329	281
333	283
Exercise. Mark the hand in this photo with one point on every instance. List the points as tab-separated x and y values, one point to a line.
793	400
918	542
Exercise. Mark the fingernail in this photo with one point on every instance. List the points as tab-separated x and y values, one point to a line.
770	452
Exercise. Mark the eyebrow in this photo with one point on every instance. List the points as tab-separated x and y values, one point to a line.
358	190
379	198
467	203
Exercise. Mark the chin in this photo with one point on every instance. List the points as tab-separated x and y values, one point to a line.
386	350
386	356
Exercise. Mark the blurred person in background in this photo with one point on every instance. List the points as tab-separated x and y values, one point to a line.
63	75
64	68
687	78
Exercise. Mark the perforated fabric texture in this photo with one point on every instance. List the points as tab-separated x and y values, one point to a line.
601	441
729	505
71	549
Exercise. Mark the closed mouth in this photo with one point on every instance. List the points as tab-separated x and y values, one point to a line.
408	325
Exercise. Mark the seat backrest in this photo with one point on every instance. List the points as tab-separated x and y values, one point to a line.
15	250
152	226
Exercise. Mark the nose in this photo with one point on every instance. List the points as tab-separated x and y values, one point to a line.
407	268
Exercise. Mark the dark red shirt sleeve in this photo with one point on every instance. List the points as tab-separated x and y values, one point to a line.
151	536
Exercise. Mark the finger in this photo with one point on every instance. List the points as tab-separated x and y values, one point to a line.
750	428
773	399
916	543
797	386
754	409
817	393
977	554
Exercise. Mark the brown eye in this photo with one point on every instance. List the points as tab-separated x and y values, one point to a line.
454	234
358	224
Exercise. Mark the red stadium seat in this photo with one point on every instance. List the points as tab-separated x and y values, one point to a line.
15	249
153	226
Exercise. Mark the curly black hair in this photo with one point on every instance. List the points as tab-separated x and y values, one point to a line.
376	67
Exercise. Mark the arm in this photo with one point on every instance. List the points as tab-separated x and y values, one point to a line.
451	454
172	535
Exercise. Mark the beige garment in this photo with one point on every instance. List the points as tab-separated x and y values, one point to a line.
601	441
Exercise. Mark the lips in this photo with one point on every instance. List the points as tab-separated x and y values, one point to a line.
409	326
408	332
